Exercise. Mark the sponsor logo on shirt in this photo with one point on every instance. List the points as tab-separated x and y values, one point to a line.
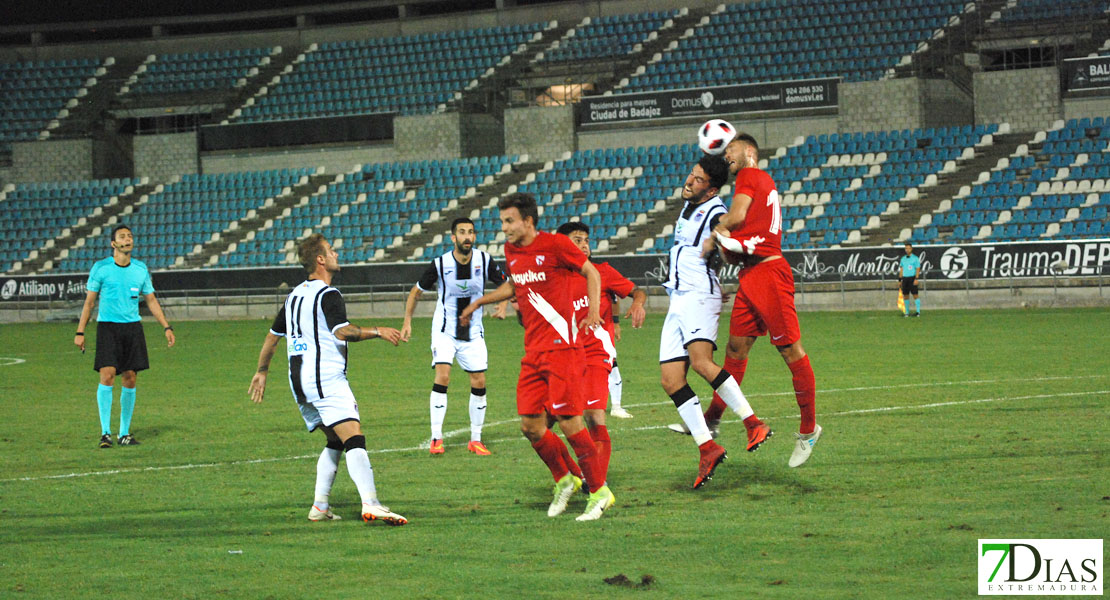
581	303
529	277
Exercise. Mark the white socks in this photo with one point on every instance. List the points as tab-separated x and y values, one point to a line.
477	416
690	411
615	387
358	465
326	468
734	398
438	406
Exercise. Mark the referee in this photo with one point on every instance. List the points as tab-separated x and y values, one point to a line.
911	269
120	344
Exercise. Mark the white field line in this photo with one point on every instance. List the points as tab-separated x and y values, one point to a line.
449	434
861	411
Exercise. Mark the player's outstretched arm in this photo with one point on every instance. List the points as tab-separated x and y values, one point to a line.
502	310
86	314
636	312
502	292
410	308
156	310
353	333
257	387
593	295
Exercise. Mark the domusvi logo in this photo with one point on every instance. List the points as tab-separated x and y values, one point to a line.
1028	567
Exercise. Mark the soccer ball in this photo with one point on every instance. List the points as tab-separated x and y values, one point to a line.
714	135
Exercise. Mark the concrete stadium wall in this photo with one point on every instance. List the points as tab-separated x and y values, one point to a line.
481	135
1078	108
52	160
903	104
163	156
541	132
335	160
1027	99
943	104
419	137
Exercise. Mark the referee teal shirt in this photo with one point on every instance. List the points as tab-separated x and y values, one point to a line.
120	289
910	265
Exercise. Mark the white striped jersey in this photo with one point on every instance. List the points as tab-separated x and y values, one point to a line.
458	285
308	321
688	270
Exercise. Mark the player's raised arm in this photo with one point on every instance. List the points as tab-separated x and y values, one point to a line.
593	293
501	293
257	387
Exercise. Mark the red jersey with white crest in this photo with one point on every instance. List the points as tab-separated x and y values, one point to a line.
613	285
761	232
543	275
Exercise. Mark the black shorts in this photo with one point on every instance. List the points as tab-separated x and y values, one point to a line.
121	345
908	286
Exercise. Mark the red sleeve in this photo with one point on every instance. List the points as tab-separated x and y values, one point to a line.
613	281
568	254
745	183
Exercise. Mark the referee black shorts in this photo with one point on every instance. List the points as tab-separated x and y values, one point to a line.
908	286
121	345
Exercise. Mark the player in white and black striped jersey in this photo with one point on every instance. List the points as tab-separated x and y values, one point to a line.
689	335
458	277
314	323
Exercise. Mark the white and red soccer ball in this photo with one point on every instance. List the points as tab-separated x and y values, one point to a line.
714	135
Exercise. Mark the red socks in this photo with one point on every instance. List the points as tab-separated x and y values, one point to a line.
550	448
564	454
805	390
587	454
600	435
736	368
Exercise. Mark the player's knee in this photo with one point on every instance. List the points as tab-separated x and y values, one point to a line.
705	367
355	441
670	383
336	444
791	352
478	380
533	433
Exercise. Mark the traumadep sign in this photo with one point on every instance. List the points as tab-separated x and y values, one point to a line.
974	261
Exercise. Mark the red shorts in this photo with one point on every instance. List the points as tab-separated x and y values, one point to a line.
550	381
598	364
765	303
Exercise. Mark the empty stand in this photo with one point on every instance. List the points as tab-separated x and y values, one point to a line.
409	75
792	39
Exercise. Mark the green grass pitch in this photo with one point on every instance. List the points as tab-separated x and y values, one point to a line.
938	431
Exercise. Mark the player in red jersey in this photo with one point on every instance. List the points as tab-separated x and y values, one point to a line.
542	267
598	345
751	234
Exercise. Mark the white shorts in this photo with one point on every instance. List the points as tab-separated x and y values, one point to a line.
332	409
471	355
691	317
